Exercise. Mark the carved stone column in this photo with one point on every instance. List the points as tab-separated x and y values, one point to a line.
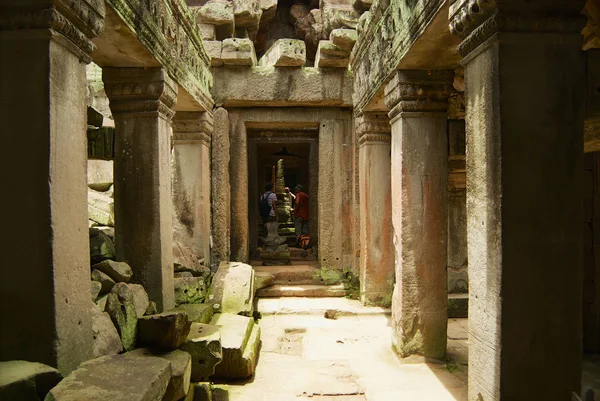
192	133
418	103
377	248
141	100
45	288
524	89
220	188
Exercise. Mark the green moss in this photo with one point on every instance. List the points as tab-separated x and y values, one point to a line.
351	285
328	276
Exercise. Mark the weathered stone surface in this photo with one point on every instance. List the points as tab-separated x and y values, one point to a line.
183	275
329	55
214	49
220	392
247	13
101	302
140	299
220	186
362	5
105	281
338	16
167	330
101	208
106	337
263	279
120	306
151	309
181	369
240	340
96	287
204	345
100	174
190	290
232	288
285	53
216	12
120	272
115	378
237	51
344	38
198	313
186	260
26	381
208	32
200	392
101	246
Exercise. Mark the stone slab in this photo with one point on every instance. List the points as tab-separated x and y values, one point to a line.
331	56
291	275
208	32
95	289
305	290
26	381
167	330
101	246
240	339
120	305
197	313
120	272
238	51
232	288
140	299
204	345
285	53
263	279
105	335
343	38
215	12
100	174
115	378
106	283
189	290
213	50
101	207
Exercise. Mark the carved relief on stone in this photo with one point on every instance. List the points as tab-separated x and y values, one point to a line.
373	127
193	126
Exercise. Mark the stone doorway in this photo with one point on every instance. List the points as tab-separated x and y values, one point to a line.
298	152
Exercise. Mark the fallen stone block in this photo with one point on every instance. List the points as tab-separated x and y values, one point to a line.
101	208
151	309
120	272
343	38
106	283
285	53
120	306
167	330
101	246
140	299
246	13
215	12
100	174
240	340
204	345
269	9
237	51
115	378
186	260
232	289
200	392
110	231
105	335
183	274
95	289
329	55
198	313
263	279
189	290
101	302
26	381
220	392
181	370
213	50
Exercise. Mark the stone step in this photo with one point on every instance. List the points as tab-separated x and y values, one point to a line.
316	306
458	305
303	290
291	275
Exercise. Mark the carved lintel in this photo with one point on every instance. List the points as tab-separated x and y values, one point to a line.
139	90
477	20
419	91
77	20
373	127
192	137
191	126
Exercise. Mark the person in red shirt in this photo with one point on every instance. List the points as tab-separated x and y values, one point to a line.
300	212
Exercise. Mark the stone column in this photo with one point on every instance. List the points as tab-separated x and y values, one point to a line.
141	101
418	103
376	246
524	88
220	188
192	133
240	243
45	288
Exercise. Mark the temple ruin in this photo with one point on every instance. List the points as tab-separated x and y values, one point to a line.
449	152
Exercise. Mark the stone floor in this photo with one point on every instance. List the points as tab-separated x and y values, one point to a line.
307	356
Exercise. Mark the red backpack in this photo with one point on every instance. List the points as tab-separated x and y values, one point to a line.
304	241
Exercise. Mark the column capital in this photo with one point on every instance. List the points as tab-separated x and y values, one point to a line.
419	91
477	20
193	126
76	20
373	127
140	90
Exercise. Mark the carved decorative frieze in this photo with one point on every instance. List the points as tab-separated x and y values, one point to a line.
477	20
419	91
373	127
191	126
77	20
140	90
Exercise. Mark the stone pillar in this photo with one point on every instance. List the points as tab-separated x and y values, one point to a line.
45	288
376	246
524	88
240	242
192	133
418	103
141	101
220	188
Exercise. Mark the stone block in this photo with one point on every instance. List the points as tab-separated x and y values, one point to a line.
198	313
95	289
200	392
120	306
186	260
237	51
220	392
167	330
115	378
120	272
232	289
240	340
263	279
213	50
204	345
247	13
106	283
181	370
106	338
285	53
329	55
26	381
458	305
101	246
215	12
208	32
189	290
100	174
183	275
101	302
269	9
343	38
140	299
101	208
362	5
101	143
